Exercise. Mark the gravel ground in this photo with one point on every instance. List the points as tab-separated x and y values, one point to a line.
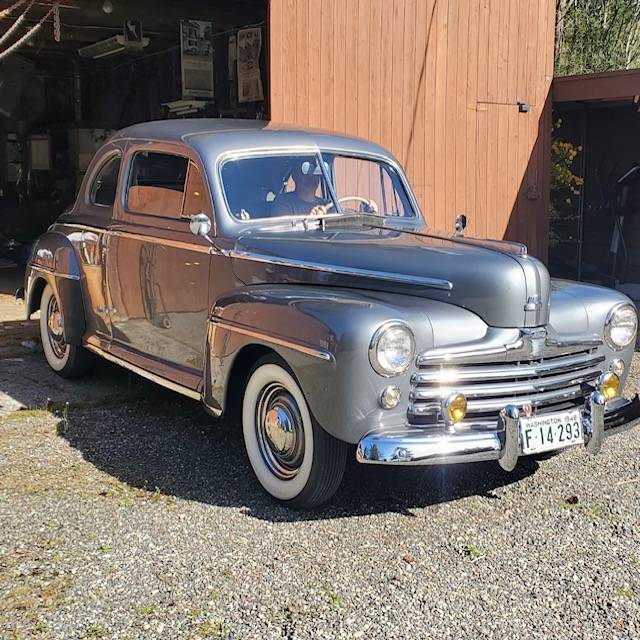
129	513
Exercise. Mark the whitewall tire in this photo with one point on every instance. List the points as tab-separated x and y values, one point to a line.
293	458
67	360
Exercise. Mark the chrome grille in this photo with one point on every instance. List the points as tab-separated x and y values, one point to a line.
488	387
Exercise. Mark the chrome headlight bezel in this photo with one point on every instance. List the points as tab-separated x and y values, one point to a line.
374	345
609	325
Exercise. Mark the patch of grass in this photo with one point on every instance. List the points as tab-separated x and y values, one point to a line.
40	627
147	610
54	543
626	592
35	595
474	503
472	551
212	629
127	496
336	601
28	414
592	510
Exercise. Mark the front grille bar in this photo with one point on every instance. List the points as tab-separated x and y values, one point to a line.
506	371
495	404
508	389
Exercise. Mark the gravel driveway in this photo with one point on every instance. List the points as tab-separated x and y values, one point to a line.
129	513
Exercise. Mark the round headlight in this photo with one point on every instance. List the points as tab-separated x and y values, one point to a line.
620	326
392	349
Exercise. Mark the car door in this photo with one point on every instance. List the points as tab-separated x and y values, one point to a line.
158	271
88	232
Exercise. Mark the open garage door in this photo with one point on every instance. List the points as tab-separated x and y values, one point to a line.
71	76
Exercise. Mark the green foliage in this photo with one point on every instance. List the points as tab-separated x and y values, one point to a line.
565	185
597	35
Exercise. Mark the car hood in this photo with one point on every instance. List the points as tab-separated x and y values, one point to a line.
495	280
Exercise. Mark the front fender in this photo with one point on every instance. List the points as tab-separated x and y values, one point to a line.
323	334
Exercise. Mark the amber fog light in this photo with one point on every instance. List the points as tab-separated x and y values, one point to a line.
609	385
617	367
455	408
390	397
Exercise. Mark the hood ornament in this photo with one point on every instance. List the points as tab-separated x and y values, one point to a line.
533	303
460	225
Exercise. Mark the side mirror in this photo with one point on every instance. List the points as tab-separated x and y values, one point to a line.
461	224
200	225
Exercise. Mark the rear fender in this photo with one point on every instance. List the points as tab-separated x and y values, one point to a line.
53	261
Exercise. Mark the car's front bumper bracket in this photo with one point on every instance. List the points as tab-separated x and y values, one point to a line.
417	446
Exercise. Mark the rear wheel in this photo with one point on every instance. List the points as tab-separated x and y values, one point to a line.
294	459
67	360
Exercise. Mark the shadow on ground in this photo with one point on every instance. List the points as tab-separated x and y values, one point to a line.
153	439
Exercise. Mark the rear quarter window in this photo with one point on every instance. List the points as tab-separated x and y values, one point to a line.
103	189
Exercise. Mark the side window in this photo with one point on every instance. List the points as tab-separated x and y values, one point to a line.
156	184
103	189
195	194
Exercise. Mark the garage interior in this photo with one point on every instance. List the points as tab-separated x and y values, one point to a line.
95	66
595	195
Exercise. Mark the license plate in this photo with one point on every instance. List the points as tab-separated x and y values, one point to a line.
551	431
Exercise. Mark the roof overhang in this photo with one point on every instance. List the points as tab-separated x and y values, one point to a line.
616	86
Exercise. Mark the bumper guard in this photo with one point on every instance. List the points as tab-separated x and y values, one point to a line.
414	446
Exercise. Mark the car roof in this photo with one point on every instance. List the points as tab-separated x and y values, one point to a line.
222	135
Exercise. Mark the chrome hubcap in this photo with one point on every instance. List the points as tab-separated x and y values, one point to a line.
55	328
280	431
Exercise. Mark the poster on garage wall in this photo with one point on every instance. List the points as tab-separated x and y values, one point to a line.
249	80
196	57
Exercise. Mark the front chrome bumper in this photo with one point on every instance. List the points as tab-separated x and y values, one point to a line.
415	446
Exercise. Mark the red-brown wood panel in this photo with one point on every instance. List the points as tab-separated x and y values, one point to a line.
438	83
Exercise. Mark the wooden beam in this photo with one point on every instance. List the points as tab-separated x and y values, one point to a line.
613	85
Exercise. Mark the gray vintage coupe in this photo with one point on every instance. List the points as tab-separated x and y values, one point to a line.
289	276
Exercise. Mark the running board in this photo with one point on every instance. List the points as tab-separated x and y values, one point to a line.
163	382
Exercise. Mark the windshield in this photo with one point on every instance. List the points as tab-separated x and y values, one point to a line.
296	185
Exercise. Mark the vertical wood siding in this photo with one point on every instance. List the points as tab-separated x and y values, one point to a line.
437	82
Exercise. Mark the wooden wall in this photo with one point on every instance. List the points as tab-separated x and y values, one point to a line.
437	82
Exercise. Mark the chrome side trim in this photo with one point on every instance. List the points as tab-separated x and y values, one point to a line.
310	351
165	242
40	267
169	384
433	283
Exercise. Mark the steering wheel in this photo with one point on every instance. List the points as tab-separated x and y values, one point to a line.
323	209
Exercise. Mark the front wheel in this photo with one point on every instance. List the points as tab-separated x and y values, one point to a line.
294	459
67	360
